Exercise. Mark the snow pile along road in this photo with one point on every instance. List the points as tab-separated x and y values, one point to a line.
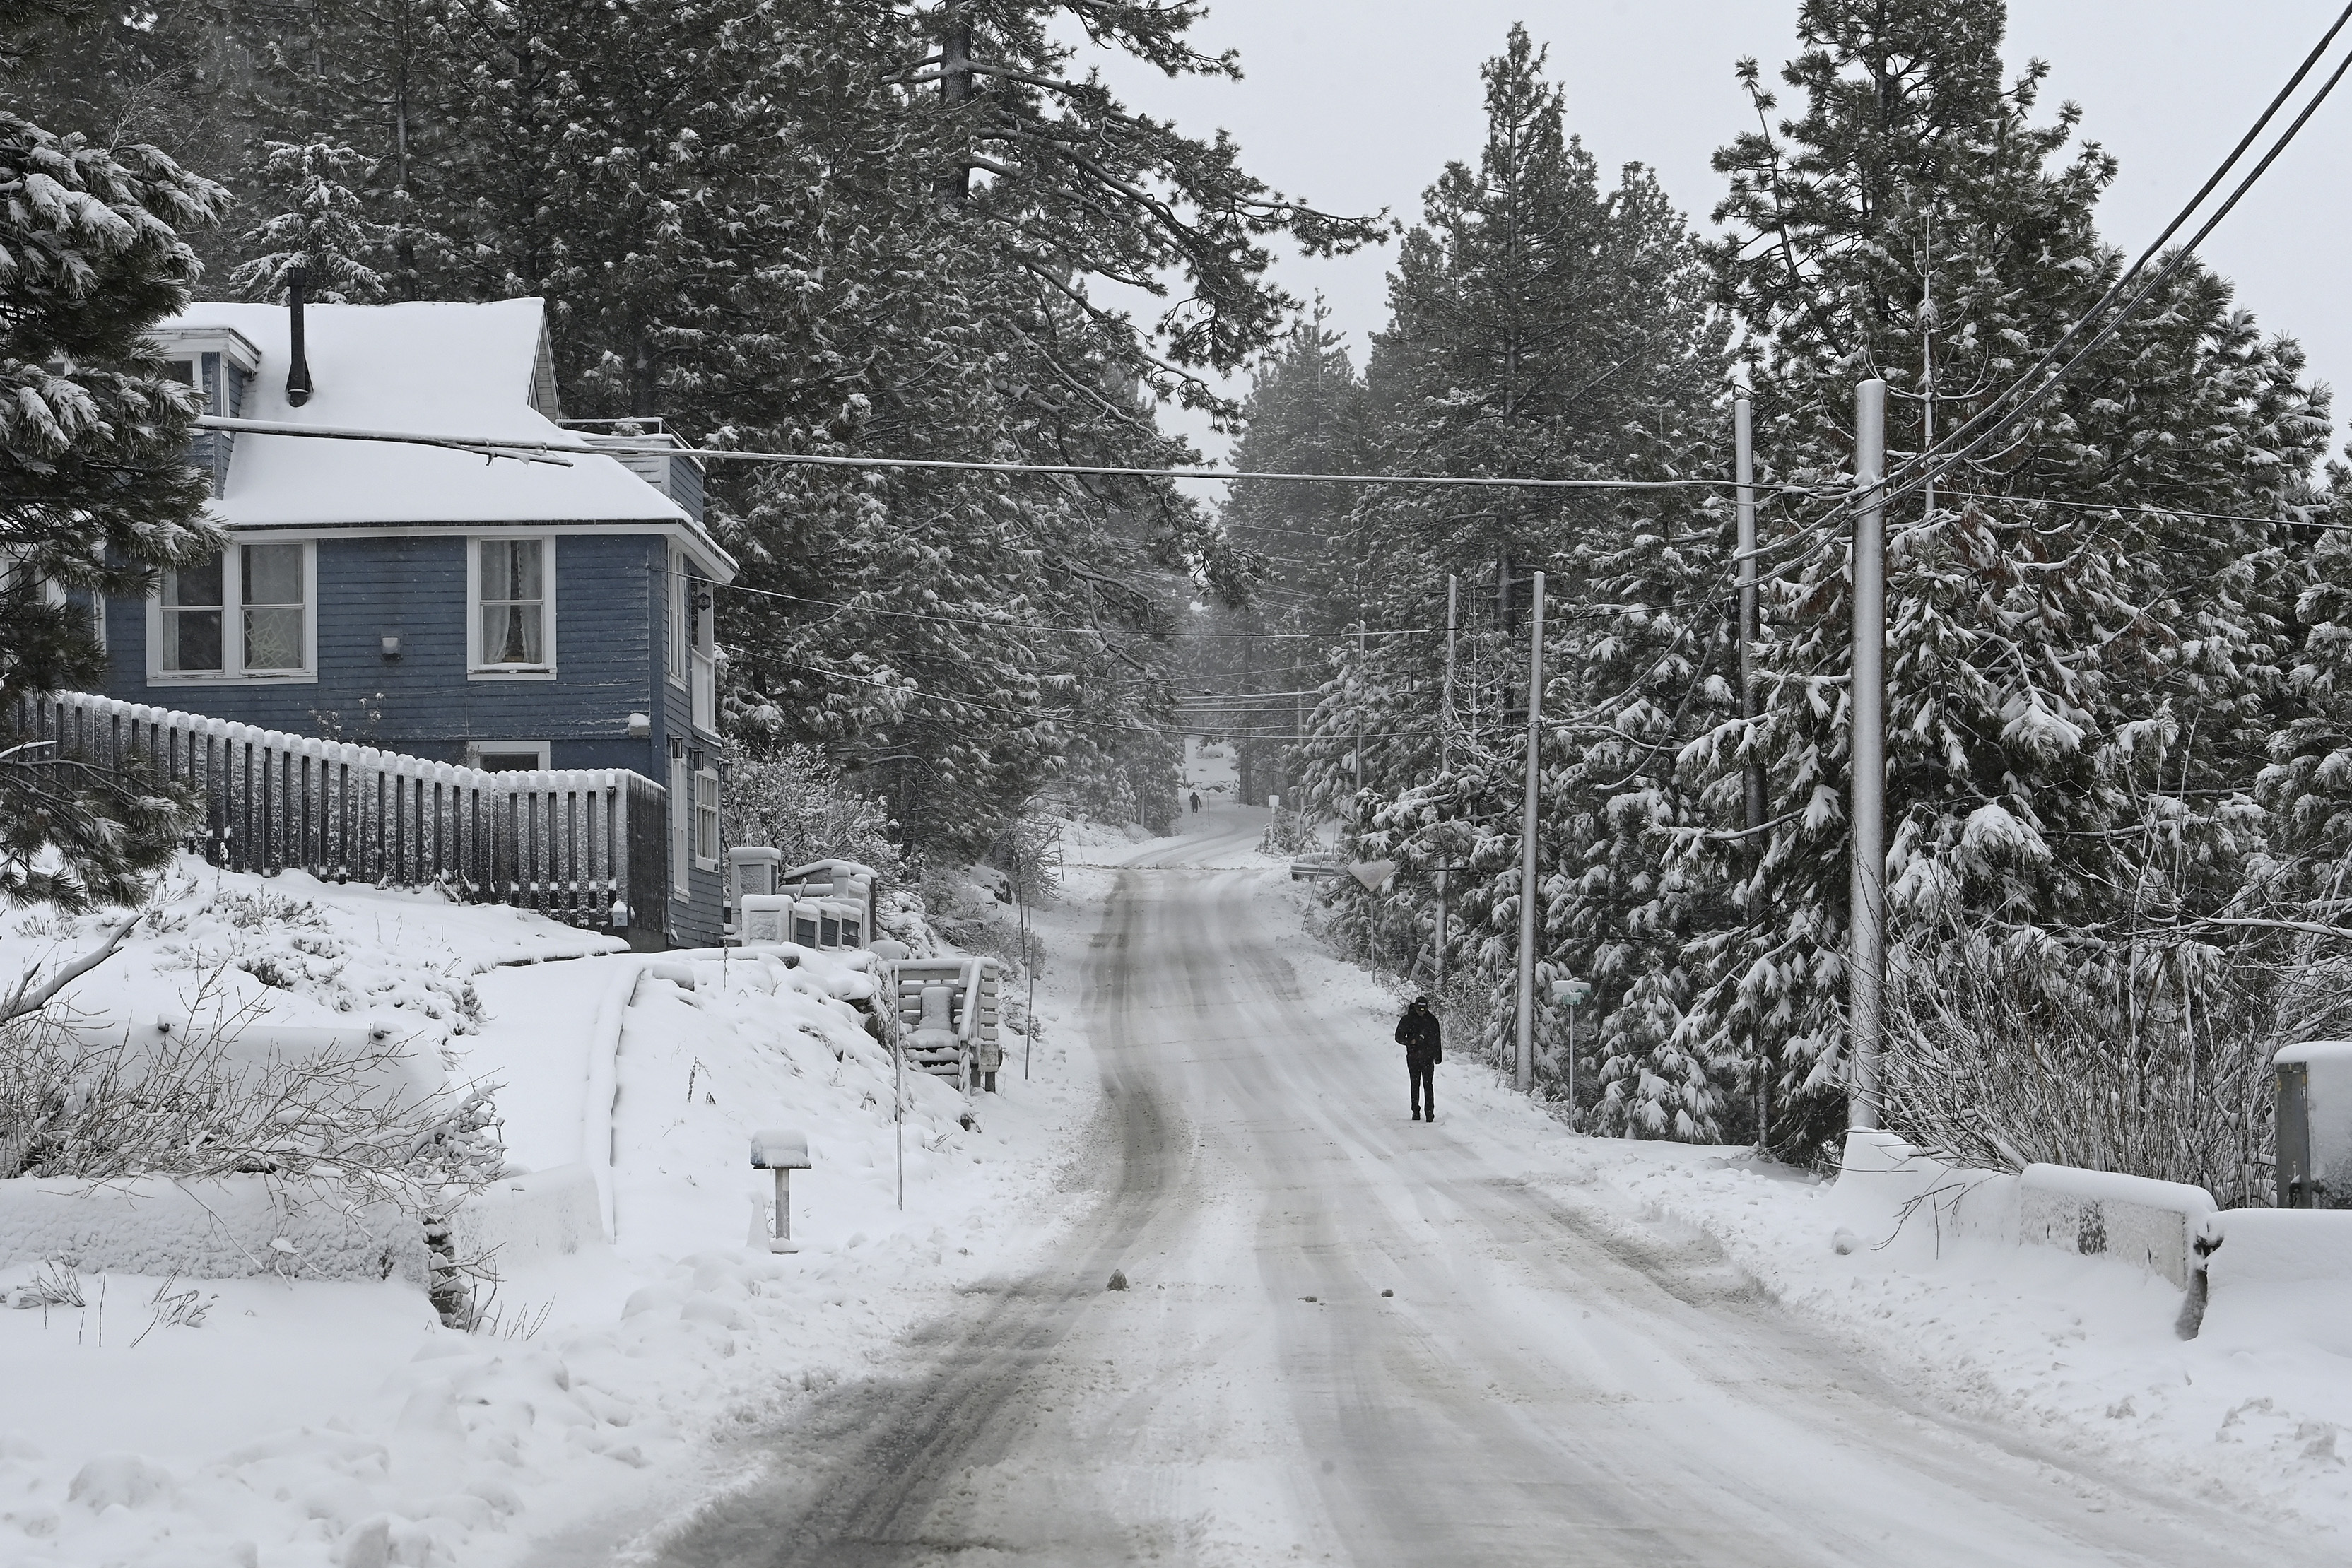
300	1422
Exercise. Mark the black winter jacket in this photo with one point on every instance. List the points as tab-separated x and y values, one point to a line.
1417	1032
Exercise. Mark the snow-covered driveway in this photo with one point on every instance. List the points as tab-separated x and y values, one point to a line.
1555	1379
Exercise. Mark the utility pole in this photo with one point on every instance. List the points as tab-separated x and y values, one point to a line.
1359	696
1438	951
1866	750
1445	707
1743	432
1524	1060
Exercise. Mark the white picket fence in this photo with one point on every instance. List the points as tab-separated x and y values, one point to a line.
580	845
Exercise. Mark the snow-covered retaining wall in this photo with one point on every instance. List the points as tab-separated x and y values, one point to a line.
223	1228
2152	1224
546	1213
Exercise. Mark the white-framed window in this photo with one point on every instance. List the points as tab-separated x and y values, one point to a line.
708	852
508	756
681	828
680	627
704	661
247	614
510	608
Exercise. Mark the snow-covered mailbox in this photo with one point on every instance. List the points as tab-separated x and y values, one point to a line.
2315	1124
947	1008
784	1151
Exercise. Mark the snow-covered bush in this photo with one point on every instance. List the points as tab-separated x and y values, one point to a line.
2005	1048
186	1104
793	800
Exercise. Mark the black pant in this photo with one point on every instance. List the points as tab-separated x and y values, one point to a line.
1424	1073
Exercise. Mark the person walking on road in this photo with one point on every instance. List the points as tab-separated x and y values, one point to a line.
1196	799
1417	1032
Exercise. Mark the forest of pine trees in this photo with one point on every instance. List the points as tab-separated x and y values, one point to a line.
2119	687
784	225
2118	758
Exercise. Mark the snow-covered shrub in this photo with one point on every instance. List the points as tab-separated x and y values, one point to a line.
792	799
2005	1048
1289	833
186	1104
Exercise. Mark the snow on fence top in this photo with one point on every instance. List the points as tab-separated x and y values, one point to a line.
567	842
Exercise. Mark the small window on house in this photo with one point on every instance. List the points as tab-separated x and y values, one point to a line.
508	756
245	612
680	627
192	641
705	820
183	371
271	591
513	589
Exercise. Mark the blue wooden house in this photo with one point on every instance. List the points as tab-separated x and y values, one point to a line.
490	614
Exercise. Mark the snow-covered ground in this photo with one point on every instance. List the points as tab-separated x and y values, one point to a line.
1656	1342
307	1422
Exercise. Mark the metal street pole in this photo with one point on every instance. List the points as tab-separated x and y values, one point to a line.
1445	707
1439	952
1866	746
1524	1063
1744	474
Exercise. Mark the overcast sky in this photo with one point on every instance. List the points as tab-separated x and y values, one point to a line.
1358	104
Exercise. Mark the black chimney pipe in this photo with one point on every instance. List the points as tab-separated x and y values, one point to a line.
298	374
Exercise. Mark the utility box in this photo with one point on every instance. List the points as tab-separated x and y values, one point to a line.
751	873
2315	1124
764	918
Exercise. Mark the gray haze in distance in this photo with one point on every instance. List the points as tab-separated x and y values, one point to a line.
1358	104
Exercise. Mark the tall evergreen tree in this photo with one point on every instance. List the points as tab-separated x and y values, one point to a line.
1542	328
318	228
2074	650
95	486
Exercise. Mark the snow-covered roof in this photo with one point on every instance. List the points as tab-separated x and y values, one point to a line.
432	368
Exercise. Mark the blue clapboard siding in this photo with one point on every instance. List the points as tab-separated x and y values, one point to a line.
611	644
424	703
686	486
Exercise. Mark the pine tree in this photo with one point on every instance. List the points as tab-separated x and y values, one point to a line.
2073	653
95	486
1306	413
319	231
1540	327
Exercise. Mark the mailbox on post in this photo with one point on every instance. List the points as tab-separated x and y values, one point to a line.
782	1151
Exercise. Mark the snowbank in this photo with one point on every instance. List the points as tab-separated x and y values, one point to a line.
303	1422
226	1229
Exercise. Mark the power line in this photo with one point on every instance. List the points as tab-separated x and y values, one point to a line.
1940	459
498	446
1020	625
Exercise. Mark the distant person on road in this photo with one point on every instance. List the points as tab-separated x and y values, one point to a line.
1417	1032
1196	799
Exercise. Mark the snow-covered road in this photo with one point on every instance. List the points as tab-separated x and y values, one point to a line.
1556	1379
